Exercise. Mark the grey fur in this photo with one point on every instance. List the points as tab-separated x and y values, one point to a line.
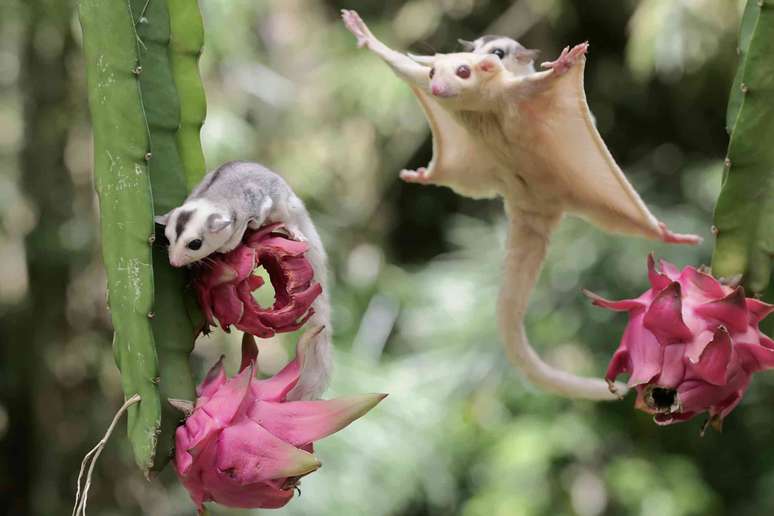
517	58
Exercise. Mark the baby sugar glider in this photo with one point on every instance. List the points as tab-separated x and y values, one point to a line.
514	56
214	217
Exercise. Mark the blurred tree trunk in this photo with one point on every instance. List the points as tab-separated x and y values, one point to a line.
32	331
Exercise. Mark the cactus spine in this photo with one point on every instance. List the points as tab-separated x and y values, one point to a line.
123	184
744	214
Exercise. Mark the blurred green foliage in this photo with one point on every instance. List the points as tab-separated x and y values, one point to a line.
415	268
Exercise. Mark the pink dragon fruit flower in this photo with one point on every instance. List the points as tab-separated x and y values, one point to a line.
244	445
691	344
224	285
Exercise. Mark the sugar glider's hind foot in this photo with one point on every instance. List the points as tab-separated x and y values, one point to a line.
677	238
419	175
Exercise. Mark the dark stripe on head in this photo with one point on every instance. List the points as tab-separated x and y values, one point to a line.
212	178
182	220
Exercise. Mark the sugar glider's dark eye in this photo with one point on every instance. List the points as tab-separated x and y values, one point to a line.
463	71
499	52
432	72
195	245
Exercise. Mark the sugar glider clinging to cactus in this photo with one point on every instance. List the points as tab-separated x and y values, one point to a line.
528	137
231	198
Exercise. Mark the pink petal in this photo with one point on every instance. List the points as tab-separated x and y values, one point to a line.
730	310
645	354
669	269
249	352
657	280
302	422
673	366
215	377
220	408
242	260
227	306
754	357
714	360
664	317
619	364
255	237
278	386
262	495
617	306
247	453
724	408
706	284
758	310
695	348
697	396
220	273
279	245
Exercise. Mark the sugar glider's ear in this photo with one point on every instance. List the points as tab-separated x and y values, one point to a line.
488	63
163	219
423	60
525	55
467	46
216	223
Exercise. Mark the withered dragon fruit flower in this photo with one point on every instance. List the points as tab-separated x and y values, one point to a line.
244	445
225	284
691	344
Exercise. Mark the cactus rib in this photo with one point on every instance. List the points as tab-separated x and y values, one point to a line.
173	330
744	214
126	208
187	39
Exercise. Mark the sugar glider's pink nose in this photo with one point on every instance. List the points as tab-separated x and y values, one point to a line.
438	90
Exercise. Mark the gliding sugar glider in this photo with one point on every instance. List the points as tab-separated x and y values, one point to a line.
238	195
528	138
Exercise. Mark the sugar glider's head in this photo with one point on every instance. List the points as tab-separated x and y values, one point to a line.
515	57
459	78
195	230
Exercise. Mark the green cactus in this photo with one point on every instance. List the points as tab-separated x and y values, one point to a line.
123	184
145	100
744	214
173	329
187	38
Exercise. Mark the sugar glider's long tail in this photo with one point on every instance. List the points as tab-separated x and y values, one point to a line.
318	359
528	236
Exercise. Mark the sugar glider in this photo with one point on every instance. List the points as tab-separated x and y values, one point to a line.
231	198
515	57
528	138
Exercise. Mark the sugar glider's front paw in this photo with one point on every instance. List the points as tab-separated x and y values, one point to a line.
295	233
419	175
567	58
677	238
357	26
